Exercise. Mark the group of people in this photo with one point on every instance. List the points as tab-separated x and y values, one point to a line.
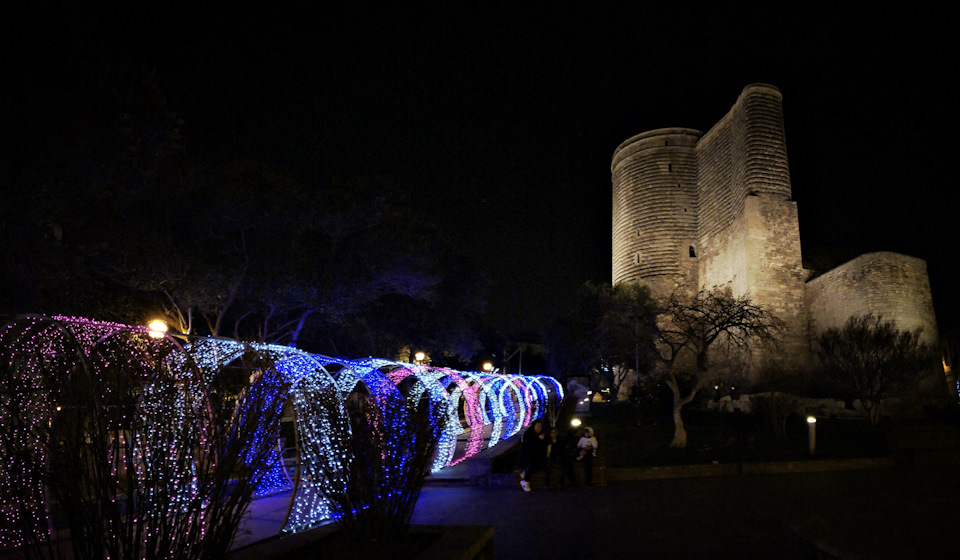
549	452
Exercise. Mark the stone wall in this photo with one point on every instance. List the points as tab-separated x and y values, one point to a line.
775	275
748	226
889	284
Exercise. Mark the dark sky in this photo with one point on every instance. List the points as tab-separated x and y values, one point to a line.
501	122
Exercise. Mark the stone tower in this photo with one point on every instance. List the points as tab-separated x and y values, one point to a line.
655	237
695	211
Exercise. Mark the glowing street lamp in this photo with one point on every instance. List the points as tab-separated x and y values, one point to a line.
419	357
487	367
158	328
812	434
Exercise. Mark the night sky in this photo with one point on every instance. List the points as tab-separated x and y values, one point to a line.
500	123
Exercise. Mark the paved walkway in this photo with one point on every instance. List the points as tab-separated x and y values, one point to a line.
873	514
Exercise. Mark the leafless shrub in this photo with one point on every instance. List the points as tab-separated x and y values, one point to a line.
140	454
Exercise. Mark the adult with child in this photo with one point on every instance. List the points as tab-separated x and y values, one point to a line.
587	447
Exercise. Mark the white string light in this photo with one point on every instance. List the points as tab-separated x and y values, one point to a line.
317	388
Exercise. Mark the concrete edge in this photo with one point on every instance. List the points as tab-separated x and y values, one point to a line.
701	470
732	469
457	542
277	545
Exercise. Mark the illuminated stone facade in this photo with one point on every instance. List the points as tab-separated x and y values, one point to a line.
696	210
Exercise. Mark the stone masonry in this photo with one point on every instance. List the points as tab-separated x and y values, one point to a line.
695	211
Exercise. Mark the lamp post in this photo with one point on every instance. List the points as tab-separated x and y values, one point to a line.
506	361
812	434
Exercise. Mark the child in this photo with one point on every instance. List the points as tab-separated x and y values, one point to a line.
587	444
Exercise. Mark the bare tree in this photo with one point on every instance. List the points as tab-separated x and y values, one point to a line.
874	360
689	327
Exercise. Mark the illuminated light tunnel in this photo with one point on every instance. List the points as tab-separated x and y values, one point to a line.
481	408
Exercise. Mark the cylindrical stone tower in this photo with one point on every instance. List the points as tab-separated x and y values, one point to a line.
655	210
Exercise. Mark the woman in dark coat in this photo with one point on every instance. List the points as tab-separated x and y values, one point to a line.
533	453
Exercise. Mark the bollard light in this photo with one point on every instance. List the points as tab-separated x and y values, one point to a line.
812	434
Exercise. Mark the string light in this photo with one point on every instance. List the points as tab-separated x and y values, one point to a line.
316	388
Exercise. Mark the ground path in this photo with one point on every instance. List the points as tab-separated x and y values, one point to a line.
872	514
866	513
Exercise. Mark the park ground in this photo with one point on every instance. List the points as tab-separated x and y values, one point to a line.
864	514
851	501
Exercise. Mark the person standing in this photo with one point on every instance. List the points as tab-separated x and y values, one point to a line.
533	453
588	450
558	459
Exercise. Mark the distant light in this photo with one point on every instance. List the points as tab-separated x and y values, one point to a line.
589	392
157	328
811	420
487	366
419	356
575	423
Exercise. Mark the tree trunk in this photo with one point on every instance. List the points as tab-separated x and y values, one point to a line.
873	411
679	432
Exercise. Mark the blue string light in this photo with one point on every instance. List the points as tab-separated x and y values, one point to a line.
314	390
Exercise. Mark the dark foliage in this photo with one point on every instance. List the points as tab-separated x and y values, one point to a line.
874	360
138	459
392	447
111	212
609	332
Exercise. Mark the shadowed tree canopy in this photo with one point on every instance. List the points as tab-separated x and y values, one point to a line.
874	360
608	333
111	212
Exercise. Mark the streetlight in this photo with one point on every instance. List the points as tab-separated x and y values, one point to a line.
488	367
158	328
419	357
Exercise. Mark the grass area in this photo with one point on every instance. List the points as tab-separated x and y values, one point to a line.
712	436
